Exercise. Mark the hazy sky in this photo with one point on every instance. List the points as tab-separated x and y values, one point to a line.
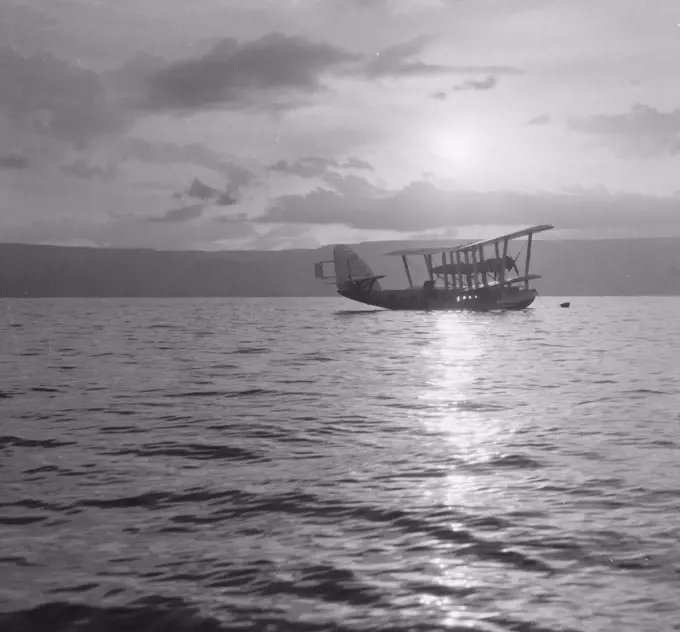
294	123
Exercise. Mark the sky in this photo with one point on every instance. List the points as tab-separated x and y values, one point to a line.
269	124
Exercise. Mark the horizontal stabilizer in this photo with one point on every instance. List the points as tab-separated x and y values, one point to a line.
369	278
319	271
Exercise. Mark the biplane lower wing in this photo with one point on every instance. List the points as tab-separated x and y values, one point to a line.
525	278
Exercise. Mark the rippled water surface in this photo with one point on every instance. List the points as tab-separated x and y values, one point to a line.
302	465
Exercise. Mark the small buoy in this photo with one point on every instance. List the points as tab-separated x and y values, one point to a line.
565	304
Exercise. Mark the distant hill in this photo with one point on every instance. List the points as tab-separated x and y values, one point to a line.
626	267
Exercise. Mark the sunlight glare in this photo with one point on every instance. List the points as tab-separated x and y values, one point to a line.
458	409
459	412
457	147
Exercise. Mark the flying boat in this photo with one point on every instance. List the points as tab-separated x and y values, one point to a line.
482	275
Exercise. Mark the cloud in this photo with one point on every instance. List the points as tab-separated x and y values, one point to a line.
361	4
46	95
421	206
225	199
81	168
238	74
288	236
350	185
487	83
356	163
644	130
201	191
314	167
237	218
397	61
128	81
184	214
543	119
305	167
272	72
236	174
14	161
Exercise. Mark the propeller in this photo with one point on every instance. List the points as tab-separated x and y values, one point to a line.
511	264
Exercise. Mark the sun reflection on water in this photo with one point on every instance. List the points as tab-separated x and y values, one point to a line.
457	407
469	429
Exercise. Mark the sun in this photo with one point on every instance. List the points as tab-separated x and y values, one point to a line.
460	149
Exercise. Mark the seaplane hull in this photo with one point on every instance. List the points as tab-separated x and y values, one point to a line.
460	278
416	300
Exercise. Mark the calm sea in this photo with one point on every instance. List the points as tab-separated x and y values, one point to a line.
261	464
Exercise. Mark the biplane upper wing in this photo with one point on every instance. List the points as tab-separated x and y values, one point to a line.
425	251
475	244
525	232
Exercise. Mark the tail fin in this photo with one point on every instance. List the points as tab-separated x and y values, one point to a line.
349	266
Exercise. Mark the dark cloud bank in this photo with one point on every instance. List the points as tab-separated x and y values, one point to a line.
542	119
315	167
643	130
237	74
43	96
182	214
488	83
47	95
420	206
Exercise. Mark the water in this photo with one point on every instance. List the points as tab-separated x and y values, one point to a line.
302	465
